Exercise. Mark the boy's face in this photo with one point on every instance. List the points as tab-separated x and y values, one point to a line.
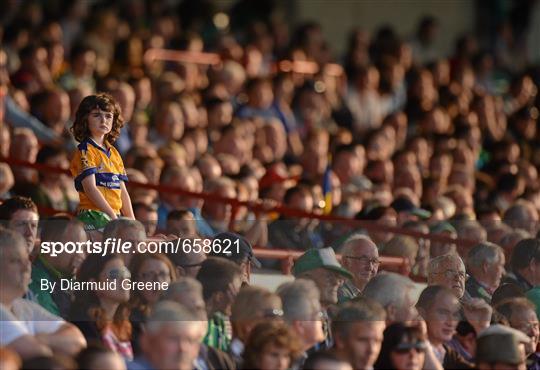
100	122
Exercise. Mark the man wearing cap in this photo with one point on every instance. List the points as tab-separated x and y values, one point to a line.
240	253
501	347
407	211
521	315
322	267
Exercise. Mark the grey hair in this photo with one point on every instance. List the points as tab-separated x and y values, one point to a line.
352	240
484	252
436	263
216	184
9	239
295	297
388	288
181	286
166	313
112	228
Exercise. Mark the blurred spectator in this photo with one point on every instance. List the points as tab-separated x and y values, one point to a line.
271	345
221	281
147	268
521	315
28	328
52	269
403	347
147	215
358	332
485	264
21	215
501	346
524	263
303	312
440	308
395	293
126	230
322	267
263	304
97	356
167	327
99	311
241	253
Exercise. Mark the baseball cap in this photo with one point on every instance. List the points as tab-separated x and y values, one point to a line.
499	343
319	258
406	205
357	184
237	255
441	227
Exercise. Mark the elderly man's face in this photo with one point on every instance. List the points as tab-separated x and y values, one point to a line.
451	274
495	271
527	321
362	260
328	283
175	346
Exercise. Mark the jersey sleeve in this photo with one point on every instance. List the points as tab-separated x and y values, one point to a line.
84	164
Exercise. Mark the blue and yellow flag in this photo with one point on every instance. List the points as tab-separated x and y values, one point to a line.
327	187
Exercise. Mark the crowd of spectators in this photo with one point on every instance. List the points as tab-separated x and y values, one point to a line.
391	133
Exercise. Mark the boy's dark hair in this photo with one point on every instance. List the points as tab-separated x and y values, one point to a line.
14	204
216	274
104	102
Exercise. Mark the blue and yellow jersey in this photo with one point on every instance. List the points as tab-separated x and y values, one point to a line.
108	168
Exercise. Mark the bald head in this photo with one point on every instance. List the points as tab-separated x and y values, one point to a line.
361	258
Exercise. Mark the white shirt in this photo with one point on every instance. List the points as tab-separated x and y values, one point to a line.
26	318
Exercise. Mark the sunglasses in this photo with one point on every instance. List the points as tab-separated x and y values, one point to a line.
272	313
191	265
404	348
118	273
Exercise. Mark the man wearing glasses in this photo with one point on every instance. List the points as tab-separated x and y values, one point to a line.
361	257
448	270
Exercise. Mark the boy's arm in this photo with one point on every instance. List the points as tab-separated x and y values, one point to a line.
127	209
92	192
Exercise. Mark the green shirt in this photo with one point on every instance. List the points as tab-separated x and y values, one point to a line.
42	270
217	335
348	291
